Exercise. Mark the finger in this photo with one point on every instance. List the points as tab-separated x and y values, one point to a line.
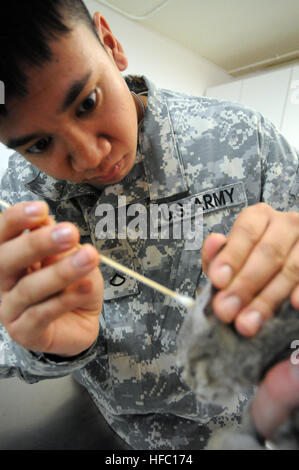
51	259
29	248
38	264
246	232
276	397
48	220
35	329
12	279
266	260
210	248
262	307
295	298
22	216
40	285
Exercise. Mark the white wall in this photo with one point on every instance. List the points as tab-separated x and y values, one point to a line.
4	154
162	60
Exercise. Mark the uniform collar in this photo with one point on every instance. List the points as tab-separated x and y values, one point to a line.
162	162
55	189
163	168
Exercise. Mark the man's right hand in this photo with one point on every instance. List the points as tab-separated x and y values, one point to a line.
50	301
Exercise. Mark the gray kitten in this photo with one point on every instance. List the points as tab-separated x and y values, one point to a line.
219	362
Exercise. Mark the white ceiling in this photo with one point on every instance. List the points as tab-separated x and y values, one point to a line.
230	33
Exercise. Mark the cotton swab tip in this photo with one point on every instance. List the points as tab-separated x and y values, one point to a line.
187	302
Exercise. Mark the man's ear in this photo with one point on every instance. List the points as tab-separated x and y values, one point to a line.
111	44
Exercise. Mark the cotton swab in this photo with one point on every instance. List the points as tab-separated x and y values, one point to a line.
184	300
4	204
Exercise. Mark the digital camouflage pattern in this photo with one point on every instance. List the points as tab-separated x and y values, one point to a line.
223	157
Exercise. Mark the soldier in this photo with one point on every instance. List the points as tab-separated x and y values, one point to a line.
85	135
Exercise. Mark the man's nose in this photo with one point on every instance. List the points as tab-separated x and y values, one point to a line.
87	152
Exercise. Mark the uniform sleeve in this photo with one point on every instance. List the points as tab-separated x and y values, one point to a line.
16	361
5	191
280	168
30	366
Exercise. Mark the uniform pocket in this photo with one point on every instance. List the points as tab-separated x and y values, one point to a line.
126	383
116	283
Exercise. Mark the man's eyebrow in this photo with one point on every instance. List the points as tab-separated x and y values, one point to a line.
73	92
15	142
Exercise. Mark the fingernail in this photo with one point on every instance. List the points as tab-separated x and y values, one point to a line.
82	258
62	234
35	209
224	275
229	307
250	322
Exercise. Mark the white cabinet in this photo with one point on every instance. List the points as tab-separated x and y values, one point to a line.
290	123
274	93
267	94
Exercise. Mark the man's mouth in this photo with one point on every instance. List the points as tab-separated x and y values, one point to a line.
113	173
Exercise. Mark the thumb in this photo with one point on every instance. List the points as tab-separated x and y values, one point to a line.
276	398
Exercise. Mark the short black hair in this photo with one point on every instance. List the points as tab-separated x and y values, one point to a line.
26	27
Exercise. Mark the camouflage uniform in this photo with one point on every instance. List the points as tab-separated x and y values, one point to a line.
221	156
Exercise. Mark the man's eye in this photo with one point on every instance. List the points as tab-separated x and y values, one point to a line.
88	104
40	146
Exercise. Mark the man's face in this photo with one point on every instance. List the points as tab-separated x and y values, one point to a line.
91	138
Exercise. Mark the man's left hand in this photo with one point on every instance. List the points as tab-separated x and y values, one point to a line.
257	269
